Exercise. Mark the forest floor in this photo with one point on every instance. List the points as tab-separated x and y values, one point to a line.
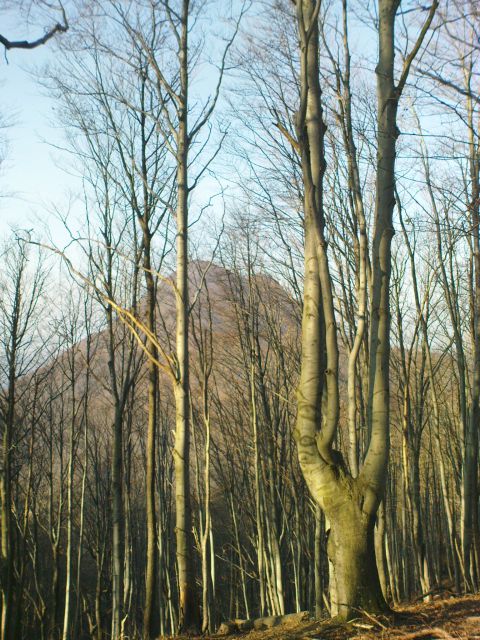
442	619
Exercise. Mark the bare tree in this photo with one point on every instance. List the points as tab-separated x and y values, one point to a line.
22	289
344	499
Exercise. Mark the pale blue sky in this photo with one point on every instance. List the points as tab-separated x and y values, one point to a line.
30	179
33	179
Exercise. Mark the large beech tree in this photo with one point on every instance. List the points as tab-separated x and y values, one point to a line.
350	503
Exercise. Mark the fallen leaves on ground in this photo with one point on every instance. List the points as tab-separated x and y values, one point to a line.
441	619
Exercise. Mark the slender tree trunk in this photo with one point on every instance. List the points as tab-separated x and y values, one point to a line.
206	584
6	539
117	522
77	620
69	551
150	618
7	549
470	525
188	618
318	563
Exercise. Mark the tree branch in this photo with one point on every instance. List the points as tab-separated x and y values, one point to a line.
413	53
33	44
287	135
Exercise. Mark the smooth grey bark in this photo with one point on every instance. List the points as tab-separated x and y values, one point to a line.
188	614
350	547
350	504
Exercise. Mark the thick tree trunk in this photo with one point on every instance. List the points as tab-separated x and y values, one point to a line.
351	549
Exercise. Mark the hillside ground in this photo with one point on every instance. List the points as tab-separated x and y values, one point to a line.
442	619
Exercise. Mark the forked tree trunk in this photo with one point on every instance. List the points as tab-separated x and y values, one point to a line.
350	504
351	540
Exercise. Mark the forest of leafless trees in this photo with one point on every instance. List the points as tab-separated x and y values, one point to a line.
248	382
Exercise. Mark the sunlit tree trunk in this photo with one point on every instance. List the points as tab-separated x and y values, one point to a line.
470	524
67	612
187	604
350	504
